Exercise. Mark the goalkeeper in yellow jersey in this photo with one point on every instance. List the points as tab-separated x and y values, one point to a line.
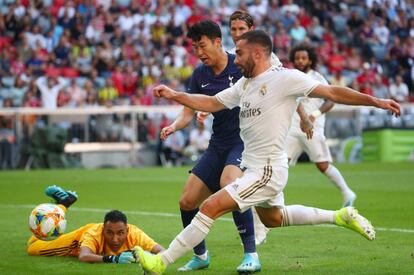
107	242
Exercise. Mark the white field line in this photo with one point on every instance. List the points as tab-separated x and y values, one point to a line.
163	214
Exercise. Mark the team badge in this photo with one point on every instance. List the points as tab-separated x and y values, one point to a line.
231	80
263	90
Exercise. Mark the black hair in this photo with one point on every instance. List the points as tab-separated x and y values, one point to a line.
305	48
258	37
205	27
242	16
115	216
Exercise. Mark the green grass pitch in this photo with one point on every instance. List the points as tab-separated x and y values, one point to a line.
150	198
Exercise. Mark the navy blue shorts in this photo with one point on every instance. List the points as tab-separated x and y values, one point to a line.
212	162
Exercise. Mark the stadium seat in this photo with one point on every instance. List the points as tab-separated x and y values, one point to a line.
408	117
8	81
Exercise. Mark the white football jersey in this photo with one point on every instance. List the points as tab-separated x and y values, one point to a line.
311	105
274	60
267	103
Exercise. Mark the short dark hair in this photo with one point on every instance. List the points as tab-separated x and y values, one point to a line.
115	216
258	37
205	27
242	16
313	57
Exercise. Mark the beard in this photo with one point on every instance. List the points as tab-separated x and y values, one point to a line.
303	68
247	69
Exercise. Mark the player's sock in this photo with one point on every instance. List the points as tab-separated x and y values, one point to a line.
186	217
245	226
336	177
192	235
302	215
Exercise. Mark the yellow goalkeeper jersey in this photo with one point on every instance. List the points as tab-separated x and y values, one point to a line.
91	236
93	239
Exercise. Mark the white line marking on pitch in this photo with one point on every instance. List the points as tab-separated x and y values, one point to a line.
163	214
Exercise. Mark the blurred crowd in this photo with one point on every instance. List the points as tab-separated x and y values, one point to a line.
73	53
56	53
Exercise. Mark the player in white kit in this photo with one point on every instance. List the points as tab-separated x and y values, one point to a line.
304	59
267	98
241	22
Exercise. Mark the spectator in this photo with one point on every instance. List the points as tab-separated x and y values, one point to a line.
76	94
338	79
198	141
172	149
109	94
297	32
399	90
7	137
380	89
49	88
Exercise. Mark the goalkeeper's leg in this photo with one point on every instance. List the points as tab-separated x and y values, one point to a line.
65	245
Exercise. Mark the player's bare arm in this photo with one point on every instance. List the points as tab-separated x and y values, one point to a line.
86	255
196	102
183	120
325	107
348	96
306	125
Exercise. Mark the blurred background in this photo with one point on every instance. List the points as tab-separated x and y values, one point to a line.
76	76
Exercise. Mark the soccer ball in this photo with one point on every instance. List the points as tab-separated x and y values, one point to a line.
47	221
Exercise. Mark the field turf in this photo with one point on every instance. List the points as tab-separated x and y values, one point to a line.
150	198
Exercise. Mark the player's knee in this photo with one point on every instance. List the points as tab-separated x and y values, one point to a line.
187	204
210	207
322	166
274	220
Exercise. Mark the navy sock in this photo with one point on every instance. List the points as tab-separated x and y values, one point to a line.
244	223
187	217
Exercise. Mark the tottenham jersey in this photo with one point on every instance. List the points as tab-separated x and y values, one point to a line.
311	104
274	60
267	103
226	122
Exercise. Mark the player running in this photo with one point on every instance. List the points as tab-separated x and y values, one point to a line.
267	98
304	59
219	165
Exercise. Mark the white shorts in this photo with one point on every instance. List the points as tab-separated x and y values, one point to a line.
316	148
259	187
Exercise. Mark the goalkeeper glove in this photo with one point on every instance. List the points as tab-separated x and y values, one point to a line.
125	257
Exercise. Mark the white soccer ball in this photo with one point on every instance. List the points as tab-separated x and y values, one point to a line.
47	221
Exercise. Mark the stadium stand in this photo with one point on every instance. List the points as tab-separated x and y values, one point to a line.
111	53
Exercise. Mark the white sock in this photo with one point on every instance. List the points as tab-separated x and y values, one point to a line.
203	256
303	215
335	176
192	235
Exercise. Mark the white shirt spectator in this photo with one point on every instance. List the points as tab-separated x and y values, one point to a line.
183	10
199	138
126	21
399	90
382	33
290	7
258	9
50	91
68	8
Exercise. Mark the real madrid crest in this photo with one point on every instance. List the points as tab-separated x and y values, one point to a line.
263	90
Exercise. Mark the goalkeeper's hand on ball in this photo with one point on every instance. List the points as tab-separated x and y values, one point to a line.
125	257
